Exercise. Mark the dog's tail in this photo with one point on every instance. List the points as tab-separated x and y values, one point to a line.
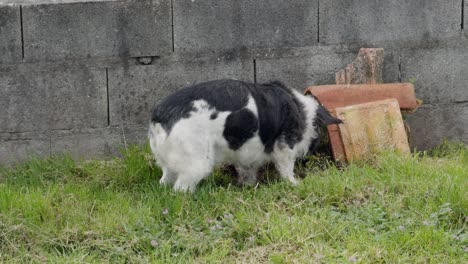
156	135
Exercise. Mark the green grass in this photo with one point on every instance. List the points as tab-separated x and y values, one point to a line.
395	209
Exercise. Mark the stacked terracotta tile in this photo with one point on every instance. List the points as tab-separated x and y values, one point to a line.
369	109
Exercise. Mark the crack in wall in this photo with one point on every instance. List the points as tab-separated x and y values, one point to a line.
172	25
255	70
399	67
50	145
107	95
22	34
463	14
318	21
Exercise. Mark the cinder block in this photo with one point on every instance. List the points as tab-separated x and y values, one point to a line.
18	147
97	29
439	75
225	24
370	21
10	33
304	70
88	144
281	23
33	98
135	90
15	151
391	67
134	134
430	125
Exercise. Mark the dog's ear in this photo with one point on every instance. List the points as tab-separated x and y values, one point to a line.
324	118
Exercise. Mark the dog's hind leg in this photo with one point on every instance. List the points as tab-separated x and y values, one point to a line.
168	177
191	169
284	159
189	178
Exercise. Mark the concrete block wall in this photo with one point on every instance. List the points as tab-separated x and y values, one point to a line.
83	75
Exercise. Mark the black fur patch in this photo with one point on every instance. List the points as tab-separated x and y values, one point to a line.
214	115
240	126
315	144
224	95
280	114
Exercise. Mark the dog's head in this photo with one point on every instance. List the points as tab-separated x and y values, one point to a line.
322	119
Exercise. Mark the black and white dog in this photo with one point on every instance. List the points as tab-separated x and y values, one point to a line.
233	122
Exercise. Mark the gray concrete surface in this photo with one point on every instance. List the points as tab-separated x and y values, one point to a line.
84	87
378	21
225	24
97	29
87	143
10	33
439	75
431	124
38	99
17	147
15	151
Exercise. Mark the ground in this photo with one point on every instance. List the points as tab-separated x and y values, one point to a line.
394	208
